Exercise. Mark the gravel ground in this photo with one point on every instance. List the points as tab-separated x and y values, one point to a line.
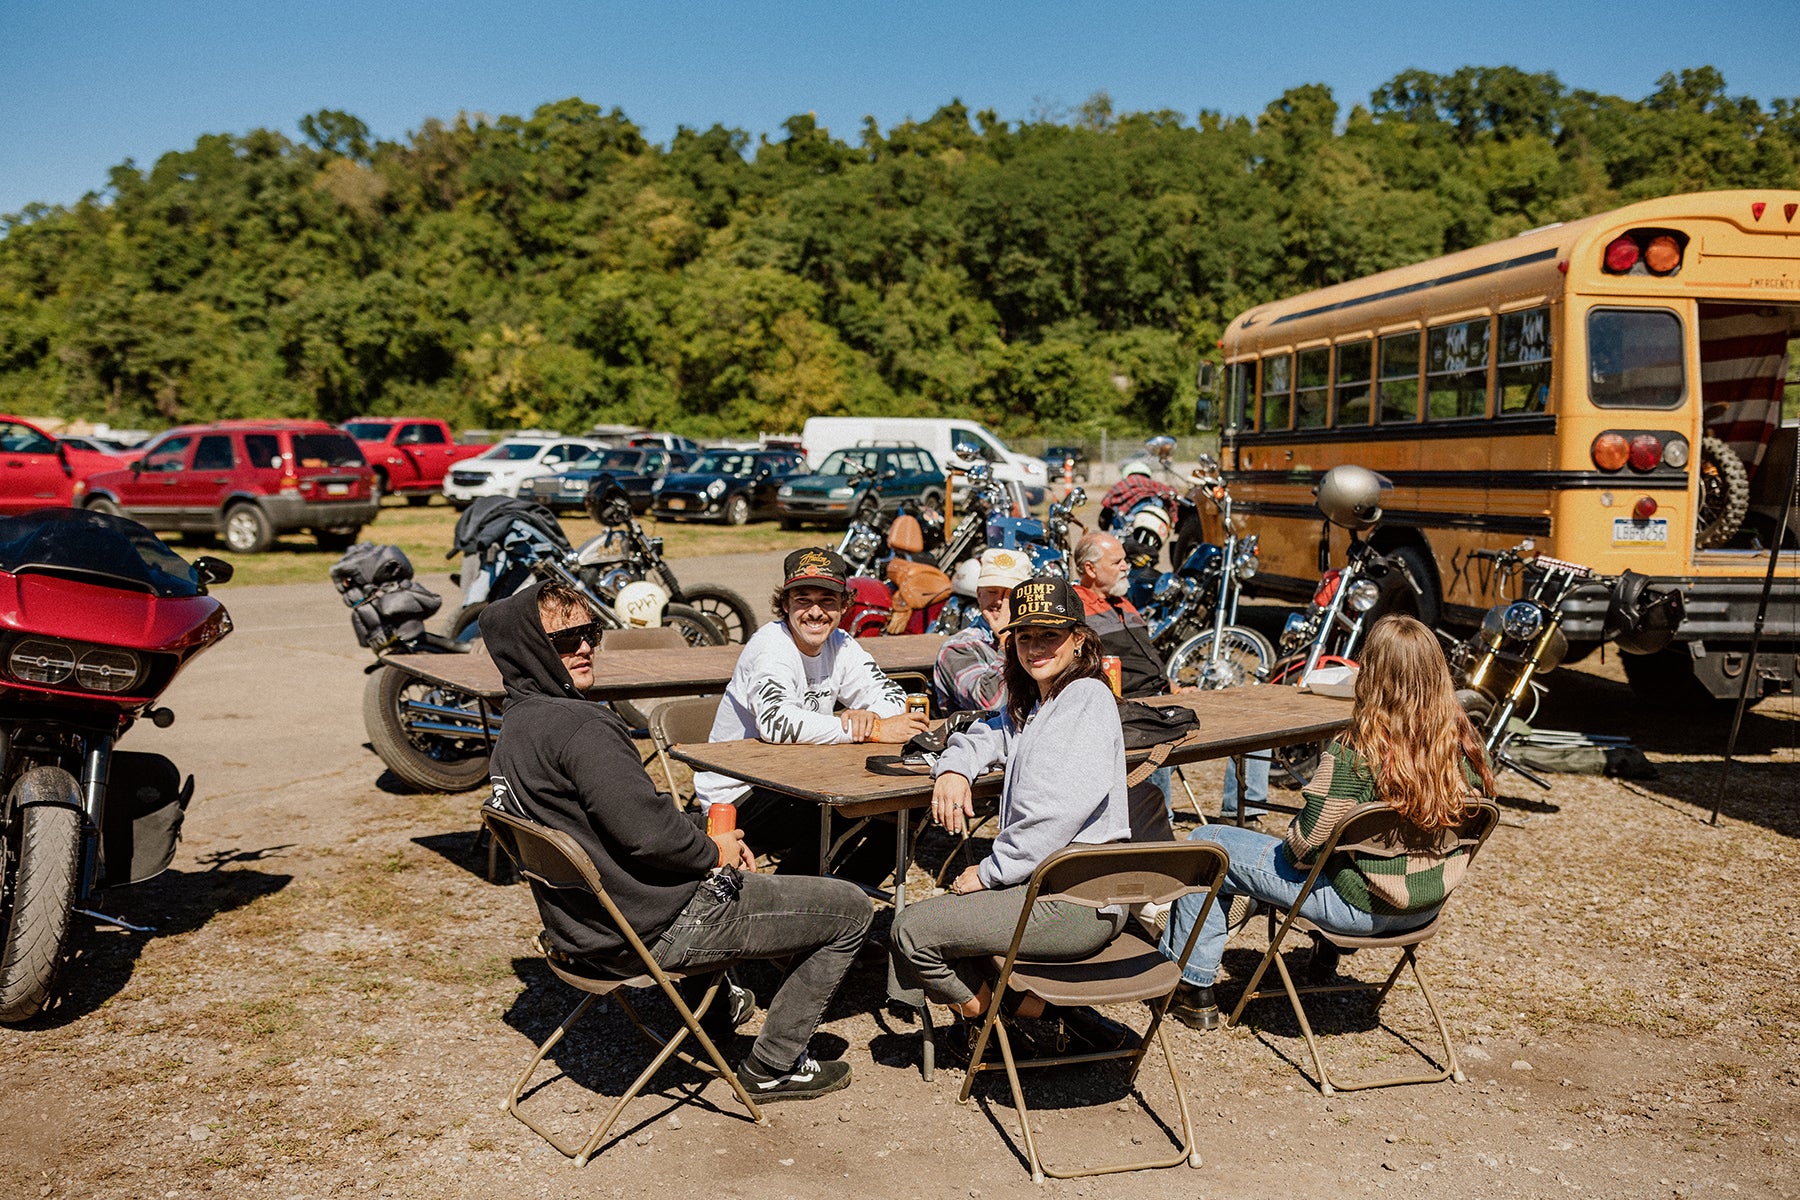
336	999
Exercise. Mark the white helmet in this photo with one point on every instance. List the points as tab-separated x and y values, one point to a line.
962	580
1151	526
1136	466
640	604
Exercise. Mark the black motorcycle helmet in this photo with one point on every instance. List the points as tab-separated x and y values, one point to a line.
1639	618
608	504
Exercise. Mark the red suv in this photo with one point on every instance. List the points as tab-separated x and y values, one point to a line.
246	482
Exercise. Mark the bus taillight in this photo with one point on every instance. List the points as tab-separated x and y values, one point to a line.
1644	252
1646	452
1645	508
1662	255
1621	254
1675	452
1610	451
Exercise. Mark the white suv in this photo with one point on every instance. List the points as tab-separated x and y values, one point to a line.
508	465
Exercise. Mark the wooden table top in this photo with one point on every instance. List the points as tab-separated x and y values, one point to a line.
1231	722
638	674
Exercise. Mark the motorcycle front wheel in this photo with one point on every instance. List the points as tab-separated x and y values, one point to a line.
728	610
428	735
43	867
1245	656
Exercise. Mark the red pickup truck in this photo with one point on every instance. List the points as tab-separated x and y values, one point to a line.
410	455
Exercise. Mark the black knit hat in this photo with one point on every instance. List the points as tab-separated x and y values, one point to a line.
1051	603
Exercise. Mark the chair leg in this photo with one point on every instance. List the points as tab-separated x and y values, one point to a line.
1018	1091
1193	800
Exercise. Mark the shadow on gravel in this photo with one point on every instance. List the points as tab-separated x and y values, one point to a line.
470	851
174	903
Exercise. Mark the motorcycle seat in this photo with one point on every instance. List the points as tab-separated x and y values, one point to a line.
917	584
906	535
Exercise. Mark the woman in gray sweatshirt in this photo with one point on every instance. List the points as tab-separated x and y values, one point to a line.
1064	753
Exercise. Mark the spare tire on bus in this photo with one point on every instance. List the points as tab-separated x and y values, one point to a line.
1724	495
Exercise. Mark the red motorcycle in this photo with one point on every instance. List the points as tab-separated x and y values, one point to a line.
97	617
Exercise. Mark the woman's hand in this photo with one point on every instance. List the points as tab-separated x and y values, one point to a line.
951	801
968	881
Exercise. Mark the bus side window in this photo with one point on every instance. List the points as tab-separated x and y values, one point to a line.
1399	378
1312	395
1523	372
1353	383
1278	377
1456	360
1240	394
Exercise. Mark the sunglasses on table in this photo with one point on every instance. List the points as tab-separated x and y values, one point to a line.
568	641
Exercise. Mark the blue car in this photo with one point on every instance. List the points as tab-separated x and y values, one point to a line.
731	486
635	470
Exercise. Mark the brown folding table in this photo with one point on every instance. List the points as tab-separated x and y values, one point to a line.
838	779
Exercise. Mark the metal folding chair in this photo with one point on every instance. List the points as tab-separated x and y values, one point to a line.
1129	968
681	721
549	858
1374	830
654	637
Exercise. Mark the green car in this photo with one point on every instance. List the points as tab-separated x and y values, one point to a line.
902	473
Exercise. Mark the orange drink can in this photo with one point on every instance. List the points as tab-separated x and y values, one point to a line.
721	818
918	702
1114	671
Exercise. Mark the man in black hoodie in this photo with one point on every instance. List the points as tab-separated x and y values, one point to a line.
569	763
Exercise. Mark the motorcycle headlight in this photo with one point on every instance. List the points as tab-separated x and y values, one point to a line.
1362	595
1522	620
842	493
1168	587
106	669
784	491
1246	564
716	488
39	660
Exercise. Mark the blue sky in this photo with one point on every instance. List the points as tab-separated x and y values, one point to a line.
86	84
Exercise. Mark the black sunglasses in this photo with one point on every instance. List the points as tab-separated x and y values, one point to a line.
568	641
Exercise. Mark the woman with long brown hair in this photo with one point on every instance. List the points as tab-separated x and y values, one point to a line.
1064	754
1409	746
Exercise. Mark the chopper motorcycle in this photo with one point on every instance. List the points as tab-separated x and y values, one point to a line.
1497	667
1225	654
97	617
621	554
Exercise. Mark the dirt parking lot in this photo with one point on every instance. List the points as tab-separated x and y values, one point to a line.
336	999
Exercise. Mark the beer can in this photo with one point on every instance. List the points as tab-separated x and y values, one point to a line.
1114	671
918	702
721	818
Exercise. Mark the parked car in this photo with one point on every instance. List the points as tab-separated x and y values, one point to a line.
505	469
409	455
906	473
633	470
114	452
246	482
36	470
1056	456
668	441
1023	475
732	486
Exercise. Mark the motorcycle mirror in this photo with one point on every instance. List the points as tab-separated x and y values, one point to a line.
1161	447
213	570
966	450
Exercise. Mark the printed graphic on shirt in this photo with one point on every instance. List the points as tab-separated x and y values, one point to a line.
502	798
772	698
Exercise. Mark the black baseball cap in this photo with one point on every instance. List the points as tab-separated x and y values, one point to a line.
1050	603
815	566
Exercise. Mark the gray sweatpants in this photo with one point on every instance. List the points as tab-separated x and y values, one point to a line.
941	947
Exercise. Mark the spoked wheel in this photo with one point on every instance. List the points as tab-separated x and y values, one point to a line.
42	857
1245	656
429	736
698	628
728	610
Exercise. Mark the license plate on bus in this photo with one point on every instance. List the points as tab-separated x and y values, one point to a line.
677	505
337	489
1631	531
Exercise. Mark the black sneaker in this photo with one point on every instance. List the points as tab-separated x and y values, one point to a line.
1195	1007
1322	967
808	1080
731	1008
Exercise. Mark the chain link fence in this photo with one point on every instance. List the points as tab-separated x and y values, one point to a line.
1105	455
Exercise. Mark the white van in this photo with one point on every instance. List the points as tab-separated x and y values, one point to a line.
940	435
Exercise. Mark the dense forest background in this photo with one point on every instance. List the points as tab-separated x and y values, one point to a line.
1061	275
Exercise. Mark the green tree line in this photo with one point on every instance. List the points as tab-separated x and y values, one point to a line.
1059	274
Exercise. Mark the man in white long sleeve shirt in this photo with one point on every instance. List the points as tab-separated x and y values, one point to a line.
791	676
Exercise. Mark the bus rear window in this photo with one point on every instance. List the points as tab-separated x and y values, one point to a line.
1635	358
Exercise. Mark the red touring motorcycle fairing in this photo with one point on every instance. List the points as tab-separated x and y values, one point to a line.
96	618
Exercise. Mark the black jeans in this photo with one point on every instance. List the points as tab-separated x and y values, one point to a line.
737	917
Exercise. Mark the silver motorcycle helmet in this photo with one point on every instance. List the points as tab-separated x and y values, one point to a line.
1350	496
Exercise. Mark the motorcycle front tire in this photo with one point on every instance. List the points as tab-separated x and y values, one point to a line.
1246	651
434	762
47	870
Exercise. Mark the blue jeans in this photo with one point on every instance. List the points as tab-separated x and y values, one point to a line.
1260	869
1256	785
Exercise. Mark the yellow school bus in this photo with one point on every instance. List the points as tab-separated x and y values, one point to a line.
1611	388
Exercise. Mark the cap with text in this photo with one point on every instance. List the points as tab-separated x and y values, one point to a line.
815	566
1051	603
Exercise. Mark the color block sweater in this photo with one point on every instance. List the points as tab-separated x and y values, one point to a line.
1416	881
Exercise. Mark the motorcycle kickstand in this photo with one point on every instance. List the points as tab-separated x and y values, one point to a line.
118	922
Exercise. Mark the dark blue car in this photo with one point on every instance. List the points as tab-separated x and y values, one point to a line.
635	470
731	486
